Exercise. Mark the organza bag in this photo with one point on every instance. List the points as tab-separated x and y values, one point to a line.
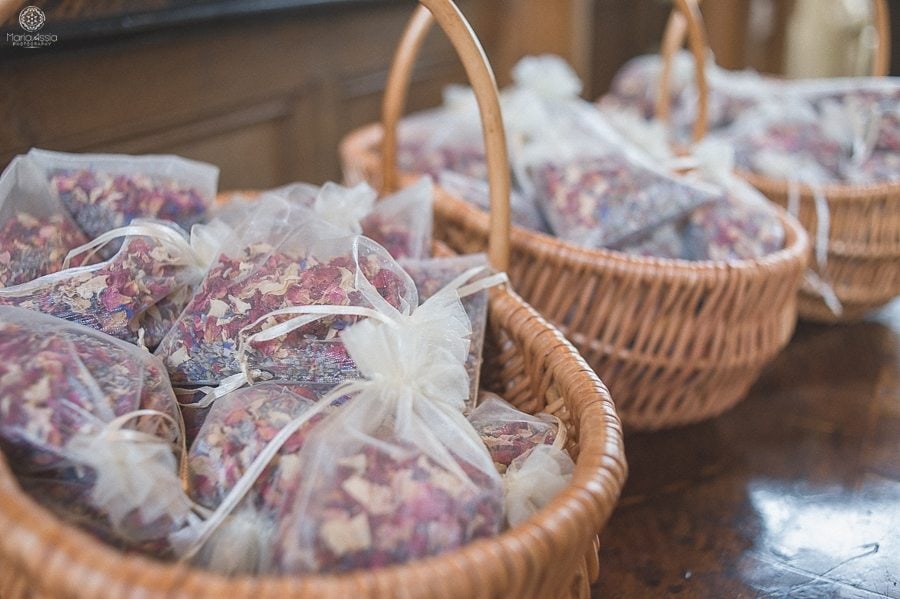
529	451
36	232
801	142
793	145
593	186
666	241
283	257
238	427
113	296
433	274
533	479
508	432
731	93
158	320
863	115
107	191
89	424
523	210
447	138
401	222
739	224
391	471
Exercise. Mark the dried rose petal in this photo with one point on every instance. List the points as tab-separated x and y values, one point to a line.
101	201
796	139
33	246
733	229
508	432
237	428
391	234
111	296
201	347
59	380
608	201
385	504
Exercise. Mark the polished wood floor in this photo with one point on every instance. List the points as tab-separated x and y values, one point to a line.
794	493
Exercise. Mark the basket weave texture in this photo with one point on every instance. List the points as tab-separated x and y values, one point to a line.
553	554
676	341
863	263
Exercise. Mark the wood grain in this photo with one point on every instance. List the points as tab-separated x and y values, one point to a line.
266	99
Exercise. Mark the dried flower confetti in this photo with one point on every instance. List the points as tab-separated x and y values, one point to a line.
740	226
508	432
609	201
63	388
447	138
100	202
238	427
524	211
36	232
386	503
159	318
31	247
111	296
731	93
666	241
817	156
201	349
107	191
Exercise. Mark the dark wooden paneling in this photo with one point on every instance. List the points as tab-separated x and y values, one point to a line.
267	99
623	29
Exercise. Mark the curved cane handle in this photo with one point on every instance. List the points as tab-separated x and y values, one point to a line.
686	18
480	75
881	65
675	31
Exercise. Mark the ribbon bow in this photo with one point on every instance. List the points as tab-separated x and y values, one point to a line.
414	359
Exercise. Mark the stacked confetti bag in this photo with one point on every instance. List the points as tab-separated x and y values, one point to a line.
91	238
812	133
842	131
599	178
819	132
326	414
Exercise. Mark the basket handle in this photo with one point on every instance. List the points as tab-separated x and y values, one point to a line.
685	18
881	65
674	37
479	73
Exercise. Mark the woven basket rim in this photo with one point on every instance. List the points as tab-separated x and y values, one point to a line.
834	192
600	467
362	143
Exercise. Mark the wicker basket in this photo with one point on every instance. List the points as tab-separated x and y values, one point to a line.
551	555
863	263
677	341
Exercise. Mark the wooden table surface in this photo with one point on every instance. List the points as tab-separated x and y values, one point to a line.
794	493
